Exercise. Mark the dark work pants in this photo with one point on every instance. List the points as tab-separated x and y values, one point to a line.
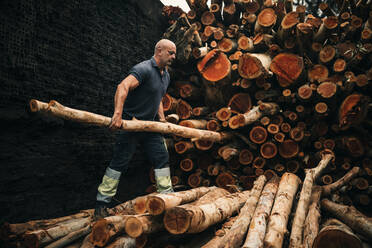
153	146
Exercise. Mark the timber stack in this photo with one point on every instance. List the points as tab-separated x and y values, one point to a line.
269	130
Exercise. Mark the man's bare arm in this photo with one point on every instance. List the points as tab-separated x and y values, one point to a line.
161	112
129	83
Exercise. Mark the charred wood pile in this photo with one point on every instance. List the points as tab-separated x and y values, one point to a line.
269	135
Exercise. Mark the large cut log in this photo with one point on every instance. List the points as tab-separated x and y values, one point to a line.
56	109
350	216
338	234
235	236
253	65
196	218
288	68
136	225
42	237
253	115
313	217
105	229
257	227
296	237
71	237
10	231
157	204
277	226
215	66
215	241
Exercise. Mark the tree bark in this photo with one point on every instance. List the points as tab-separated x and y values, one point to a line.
197	218
105	229
236	234
56	109
257	227
277	226
157	204
350	216
296	238
136	225
331	188
71	237
338	234
313	217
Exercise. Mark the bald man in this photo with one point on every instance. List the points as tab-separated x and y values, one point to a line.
139	96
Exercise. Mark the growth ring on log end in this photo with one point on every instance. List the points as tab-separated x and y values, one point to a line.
258	134
287	67
214	66
352	111
177	220
288	148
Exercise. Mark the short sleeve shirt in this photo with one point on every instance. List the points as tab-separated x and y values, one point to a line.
143	102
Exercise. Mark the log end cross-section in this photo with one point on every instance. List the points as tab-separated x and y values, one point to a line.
288	67
214	66
177	220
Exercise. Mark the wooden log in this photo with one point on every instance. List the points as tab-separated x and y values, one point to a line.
193	218
257	227
278	219
182	147
184	110
296	238
329	24
199	124
288	148
87	242
268	150
157	204
254	114
42	237
11	231
252	65
292	166
235	236
230	14
207	18
187	165
136	225
203	145
215	66
338	233
227	152
224	179
240	103
318	73
71	237
289	73
258	134
213	125
245	157
219	234
313	218
105	229
245	43
200	111
124	242
223	114
169	103
227	45
61	111
266	19
172	118
352	111
259	162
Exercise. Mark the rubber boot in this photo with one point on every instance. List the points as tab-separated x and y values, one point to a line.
106	190
163	180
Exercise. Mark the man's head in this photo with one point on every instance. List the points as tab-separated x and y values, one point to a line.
165	52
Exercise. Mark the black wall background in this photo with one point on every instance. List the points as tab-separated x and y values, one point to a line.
74	52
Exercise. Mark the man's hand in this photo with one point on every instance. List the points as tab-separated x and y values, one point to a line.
116	122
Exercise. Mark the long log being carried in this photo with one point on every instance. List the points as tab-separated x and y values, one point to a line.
57	109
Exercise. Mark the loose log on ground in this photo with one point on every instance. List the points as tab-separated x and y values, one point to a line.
278	220
71	237
136	225
220	233
235	236
104	229
123	242
257	227
313	218
44	236
296	238
61	111
197	218
157	204
338	234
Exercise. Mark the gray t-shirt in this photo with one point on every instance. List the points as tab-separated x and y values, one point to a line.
143	102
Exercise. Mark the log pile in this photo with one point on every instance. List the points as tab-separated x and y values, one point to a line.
268	103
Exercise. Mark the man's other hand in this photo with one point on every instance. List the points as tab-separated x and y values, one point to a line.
116	122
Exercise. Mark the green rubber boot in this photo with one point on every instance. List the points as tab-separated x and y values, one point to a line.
163	180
